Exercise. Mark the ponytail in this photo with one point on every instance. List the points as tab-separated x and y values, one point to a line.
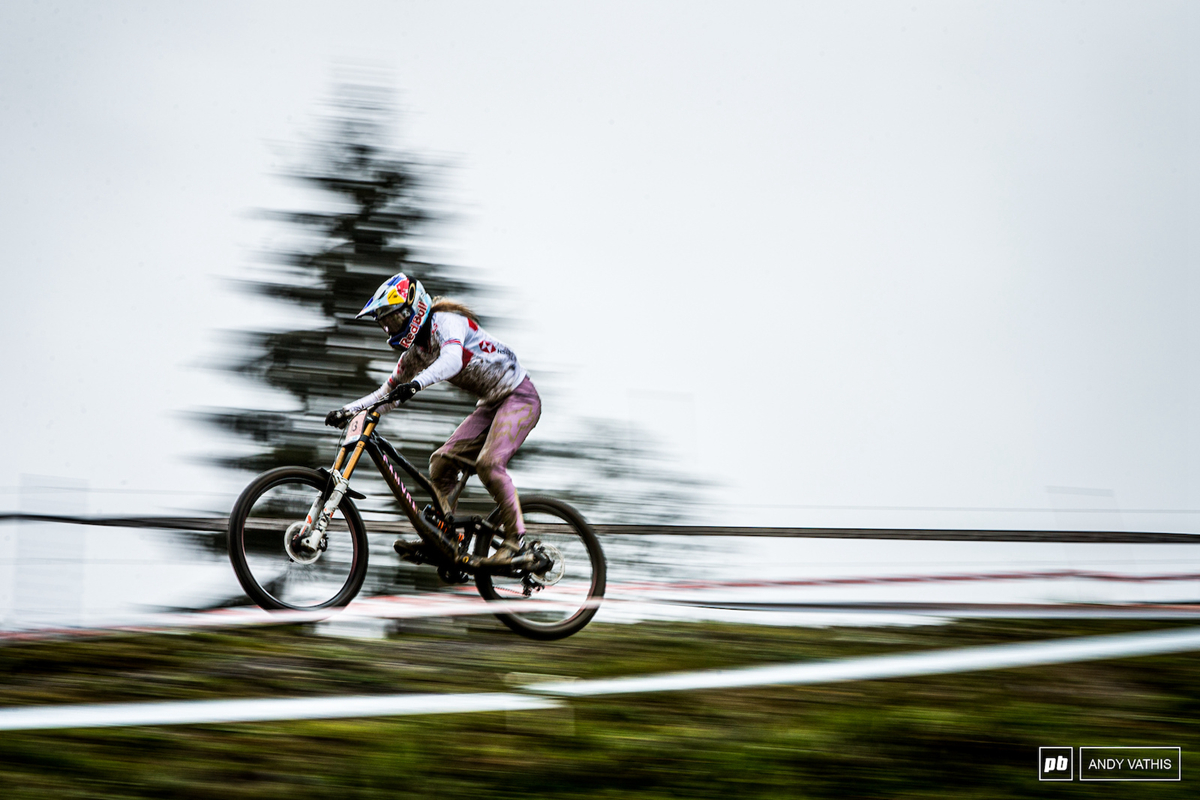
443	304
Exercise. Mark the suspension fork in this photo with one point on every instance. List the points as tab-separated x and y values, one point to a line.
312	534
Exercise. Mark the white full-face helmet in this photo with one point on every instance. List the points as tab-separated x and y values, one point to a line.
400	306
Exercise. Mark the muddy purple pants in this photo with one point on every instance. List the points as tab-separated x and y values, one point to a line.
490	435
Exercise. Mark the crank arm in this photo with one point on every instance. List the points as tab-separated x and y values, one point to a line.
528	562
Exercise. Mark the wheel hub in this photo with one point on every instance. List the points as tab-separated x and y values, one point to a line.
295	548
553	573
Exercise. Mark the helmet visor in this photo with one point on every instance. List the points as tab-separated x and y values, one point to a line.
396	321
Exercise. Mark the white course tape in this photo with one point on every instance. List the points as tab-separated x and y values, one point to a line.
541	695
937	662
400	607
196	712
645	595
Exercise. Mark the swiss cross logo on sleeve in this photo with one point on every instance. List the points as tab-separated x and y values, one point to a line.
487	347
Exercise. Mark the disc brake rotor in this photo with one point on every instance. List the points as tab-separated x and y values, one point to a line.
557	568
301	555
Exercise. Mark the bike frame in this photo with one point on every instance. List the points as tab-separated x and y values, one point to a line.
361	437
473	546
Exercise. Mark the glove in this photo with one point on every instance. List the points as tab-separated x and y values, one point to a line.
337	418
405	392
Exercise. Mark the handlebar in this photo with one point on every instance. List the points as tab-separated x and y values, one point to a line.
391	397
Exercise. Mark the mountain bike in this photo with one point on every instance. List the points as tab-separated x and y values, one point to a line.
297	541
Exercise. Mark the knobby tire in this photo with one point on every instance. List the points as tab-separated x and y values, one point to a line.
548	506
259	487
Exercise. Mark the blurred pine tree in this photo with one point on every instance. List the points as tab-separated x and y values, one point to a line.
369	228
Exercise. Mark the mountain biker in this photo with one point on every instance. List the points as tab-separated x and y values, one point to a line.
441	340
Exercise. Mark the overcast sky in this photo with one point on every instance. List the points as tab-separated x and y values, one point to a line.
897	257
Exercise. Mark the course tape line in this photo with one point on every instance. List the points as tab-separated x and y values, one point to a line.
199	712
545	695
906	665
1049	575
464	602
391	527
397	607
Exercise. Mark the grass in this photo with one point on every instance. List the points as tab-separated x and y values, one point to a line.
973	735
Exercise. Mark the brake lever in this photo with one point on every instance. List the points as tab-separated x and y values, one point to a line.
388	399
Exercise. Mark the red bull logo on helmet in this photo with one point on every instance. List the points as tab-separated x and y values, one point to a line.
400	291
414	325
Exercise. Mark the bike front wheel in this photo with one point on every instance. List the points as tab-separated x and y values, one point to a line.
269	509
563	598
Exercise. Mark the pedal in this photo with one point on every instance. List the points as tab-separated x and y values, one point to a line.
411	552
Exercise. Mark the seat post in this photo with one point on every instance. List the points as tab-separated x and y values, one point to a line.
452	498
468	469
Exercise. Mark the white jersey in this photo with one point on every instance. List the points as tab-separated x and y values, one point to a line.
463	353
460	352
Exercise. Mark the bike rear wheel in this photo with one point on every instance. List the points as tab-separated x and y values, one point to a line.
541	609
273	503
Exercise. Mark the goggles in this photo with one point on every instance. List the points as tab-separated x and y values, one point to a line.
396	321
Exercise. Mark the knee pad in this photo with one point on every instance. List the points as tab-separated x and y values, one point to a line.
439	464
488	470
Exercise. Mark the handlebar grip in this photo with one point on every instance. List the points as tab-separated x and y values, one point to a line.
388	398
402	394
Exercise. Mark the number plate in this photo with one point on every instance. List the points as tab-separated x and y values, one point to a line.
355	428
